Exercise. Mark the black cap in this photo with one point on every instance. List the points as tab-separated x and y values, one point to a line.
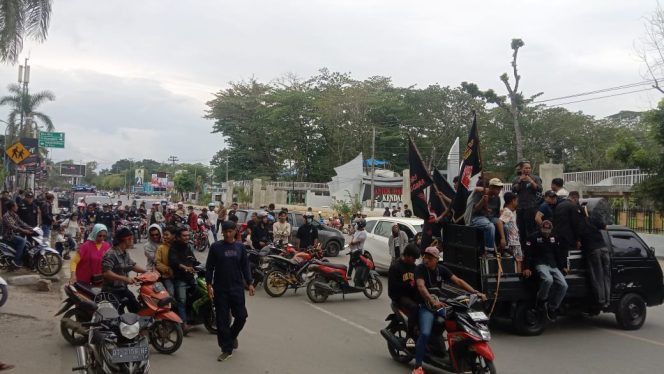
123	232
29	194
550	193
228	225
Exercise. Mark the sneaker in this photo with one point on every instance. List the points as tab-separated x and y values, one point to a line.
224	356
235	343
410	343
418	370
550	313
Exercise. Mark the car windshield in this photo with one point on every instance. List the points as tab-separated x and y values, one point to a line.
418	228
241	216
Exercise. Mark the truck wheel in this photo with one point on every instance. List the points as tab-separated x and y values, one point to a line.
631	312
527	320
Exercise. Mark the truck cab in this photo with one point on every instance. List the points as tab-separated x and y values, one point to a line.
636	279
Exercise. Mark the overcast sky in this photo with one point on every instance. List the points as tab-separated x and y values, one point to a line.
132	77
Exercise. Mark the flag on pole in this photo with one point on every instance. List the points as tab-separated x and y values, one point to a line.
471	166
419	181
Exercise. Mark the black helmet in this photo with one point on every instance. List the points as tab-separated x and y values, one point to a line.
361	223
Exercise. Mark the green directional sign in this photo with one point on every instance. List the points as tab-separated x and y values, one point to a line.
52	139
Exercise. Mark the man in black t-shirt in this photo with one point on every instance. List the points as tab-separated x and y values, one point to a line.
431	274
307	233
401	285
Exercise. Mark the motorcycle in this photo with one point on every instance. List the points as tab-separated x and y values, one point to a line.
467	347
4	293
330	279
166	332
115	343
200	238
39	255
79	307
288	273
134	225
200	309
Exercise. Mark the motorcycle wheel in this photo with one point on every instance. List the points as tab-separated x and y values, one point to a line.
49	264
373	288
72	337
3	294
275	284
210	321
398	355
166	336
481	365
314	294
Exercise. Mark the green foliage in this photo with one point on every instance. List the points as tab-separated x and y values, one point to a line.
204	199
21	103
243	197
21	18
347	207
184	182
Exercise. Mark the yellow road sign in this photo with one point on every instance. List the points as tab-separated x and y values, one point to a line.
17	152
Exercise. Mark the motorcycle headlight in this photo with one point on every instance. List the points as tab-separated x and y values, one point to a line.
130	331
486	335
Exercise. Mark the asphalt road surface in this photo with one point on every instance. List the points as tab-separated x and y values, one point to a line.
291	335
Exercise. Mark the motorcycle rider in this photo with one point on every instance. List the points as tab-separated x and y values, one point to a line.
227	276
192	219
307	233
161	259
357	242
401	286
116	266
432	274
181	259
281	229
259	231
150	249
107	218
86	263
155	215
12	225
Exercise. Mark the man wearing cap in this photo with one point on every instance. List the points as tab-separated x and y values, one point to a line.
116	266
543	255
432	274
28	211
486	213
227	277
545	211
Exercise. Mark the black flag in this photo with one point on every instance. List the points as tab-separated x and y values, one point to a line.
419	181
440	184
471	165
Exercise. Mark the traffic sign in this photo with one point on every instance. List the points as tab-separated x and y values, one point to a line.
52	139
17	152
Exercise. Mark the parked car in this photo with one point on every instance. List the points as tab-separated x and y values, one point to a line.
97	199
379	230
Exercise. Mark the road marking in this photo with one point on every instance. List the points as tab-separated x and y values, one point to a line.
342	319
645	340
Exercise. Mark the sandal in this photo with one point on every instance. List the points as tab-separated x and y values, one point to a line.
5	366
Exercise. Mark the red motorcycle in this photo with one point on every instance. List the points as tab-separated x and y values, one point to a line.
467	348
330	279
200	237
166	333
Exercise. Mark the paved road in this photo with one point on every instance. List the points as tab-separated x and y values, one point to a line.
291	335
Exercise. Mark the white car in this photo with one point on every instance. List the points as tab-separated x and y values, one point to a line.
379	230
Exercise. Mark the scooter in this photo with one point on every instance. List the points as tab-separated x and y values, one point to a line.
166	332
200	309
38	254
4	293
330	279
467	347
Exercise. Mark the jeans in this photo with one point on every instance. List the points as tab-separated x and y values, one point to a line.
214	230
426	318
599	269
170	287
19	246
181	288
47	233
552	286
227	303
489	230
126	299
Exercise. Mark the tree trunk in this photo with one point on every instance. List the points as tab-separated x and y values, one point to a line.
517	134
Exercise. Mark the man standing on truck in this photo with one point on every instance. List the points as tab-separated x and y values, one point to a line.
597	257
567	218
543	255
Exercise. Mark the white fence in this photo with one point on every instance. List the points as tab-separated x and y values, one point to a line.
625	177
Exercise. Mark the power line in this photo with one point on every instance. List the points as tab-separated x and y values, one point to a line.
173	159
603	97
621	87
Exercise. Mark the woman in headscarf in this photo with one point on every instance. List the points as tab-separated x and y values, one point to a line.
85	265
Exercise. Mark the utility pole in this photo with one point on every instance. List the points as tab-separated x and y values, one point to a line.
226	170
373	167
173	159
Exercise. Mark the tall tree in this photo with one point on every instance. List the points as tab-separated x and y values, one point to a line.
651	47
21	18
515	97
26	104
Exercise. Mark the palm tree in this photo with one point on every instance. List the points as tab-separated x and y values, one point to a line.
22	103
19	18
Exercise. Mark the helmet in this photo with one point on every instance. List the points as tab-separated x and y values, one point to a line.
262	214
308	215
212	204
361	223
